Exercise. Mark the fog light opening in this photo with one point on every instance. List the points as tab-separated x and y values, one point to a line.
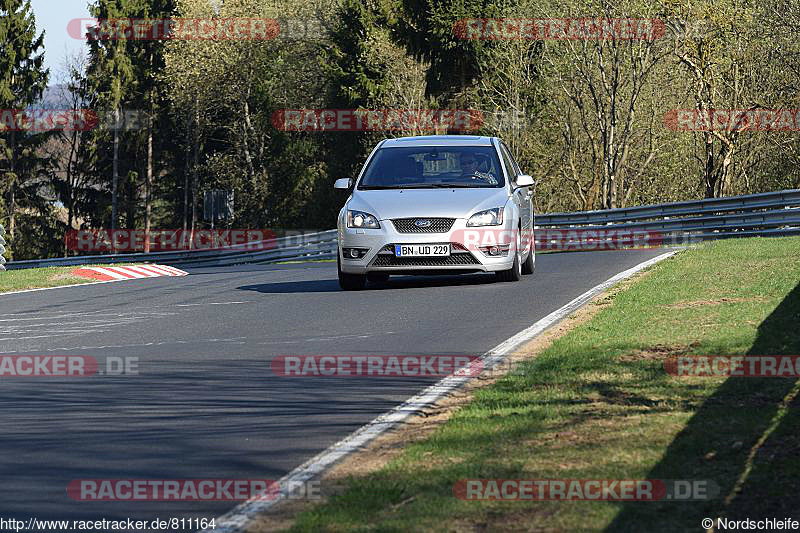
354	253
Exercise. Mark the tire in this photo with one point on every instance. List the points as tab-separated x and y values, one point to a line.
378	277
512	274
515	272
350	282
530	262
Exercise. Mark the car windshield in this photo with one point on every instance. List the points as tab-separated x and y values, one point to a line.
426	167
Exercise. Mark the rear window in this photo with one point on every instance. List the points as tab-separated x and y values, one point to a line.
433	166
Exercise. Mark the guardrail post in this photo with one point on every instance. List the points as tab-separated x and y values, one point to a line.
2	248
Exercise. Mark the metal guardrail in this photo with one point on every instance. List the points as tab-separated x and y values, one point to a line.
766	214
749	202
311	245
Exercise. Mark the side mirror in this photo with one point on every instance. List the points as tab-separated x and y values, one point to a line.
525	181
343	183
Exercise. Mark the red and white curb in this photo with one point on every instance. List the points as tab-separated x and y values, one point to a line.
119	273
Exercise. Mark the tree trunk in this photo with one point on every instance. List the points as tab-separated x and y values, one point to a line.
195	163
148	184
708	170
186	170
12	202
115	171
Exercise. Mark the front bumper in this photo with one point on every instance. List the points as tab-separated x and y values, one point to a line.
380	255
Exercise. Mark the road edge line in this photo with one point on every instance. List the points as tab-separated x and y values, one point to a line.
237	519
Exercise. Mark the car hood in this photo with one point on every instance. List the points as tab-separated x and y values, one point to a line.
409	203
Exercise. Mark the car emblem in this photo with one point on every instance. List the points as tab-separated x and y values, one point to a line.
422	223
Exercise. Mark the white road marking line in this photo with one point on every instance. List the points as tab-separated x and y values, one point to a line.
237	519
141	270
138	345
210	303
108	272
130	272
157	269
175	271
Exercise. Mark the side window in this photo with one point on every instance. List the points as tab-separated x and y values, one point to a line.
510	167
517	169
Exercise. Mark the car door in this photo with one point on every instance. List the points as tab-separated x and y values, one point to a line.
522	196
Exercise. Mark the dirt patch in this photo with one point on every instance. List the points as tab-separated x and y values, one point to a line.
389	446
658	352
720	301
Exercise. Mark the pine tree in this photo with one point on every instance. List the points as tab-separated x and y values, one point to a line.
22	83
111	73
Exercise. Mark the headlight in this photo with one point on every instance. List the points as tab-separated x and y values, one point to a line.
360	219
490	217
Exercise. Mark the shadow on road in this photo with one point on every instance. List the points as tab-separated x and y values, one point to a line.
744	437
399	282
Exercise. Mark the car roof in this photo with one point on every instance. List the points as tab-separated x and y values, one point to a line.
438	140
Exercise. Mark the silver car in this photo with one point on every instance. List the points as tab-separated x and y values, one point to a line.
436	204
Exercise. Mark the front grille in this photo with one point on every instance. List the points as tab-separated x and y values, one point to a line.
408	225
385	260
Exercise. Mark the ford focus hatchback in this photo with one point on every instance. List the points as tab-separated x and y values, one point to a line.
436	205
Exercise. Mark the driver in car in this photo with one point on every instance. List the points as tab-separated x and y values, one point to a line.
469	169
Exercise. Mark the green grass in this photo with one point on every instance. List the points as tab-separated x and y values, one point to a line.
598	404
37	278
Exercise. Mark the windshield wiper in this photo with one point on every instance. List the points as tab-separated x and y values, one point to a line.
458	185
426	186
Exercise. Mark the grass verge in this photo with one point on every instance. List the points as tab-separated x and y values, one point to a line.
39	278
597	403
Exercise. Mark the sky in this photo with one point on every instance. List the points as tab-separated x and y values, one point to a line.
52	16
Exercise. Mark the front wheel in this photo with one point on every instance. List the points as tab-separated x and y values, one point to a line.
512	274
349	282
529	264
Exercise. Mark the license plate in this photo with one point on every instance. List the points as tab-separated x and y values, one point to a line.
421	250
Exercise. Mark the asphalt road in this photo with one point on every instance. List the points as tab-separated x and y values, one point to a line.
205	403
